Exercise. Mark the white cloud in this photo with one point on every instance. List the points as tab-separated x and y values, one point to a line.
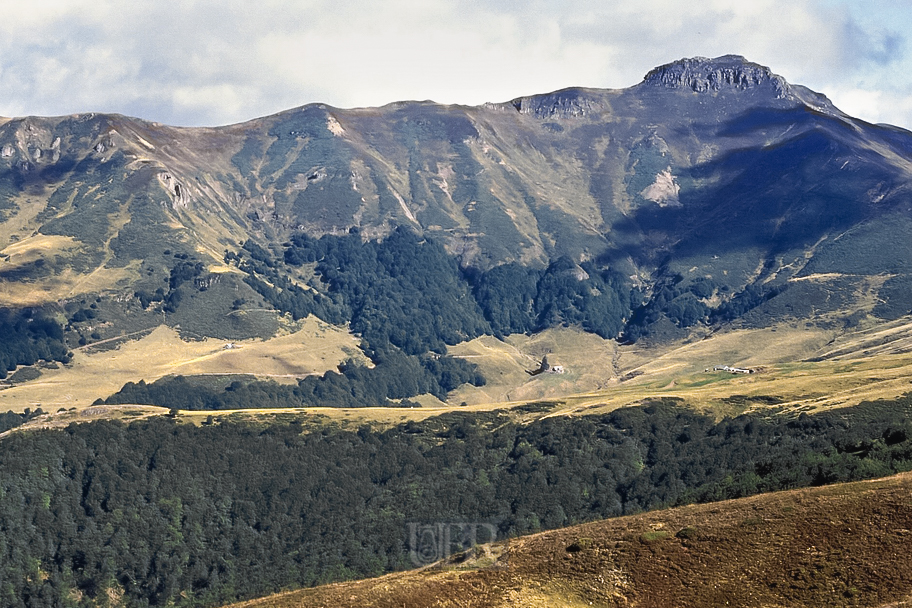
858	102
876	106
216	61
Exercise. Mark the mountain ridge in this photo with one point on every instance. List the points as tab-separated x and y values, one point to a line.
695	199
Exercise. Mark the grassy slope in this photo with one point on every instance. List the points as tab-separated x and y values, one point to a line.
866	364
843	545
801	369
314	347
59	284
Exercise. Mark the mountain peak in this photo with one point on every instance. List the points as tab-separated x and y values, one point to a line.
729	72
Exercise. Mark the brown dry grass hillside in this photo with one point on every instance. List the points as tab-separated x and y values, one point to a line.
842	545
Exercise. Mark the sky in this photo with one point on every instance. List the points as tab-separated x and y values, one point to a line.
217	62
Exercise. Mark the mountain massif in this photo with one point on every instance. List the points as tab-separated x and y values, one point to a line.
713	192
708	169
570	306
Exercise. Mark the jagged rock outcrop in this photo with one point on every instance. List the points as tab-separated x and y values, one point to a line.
179	197
55	150
104	145
701	75
567	103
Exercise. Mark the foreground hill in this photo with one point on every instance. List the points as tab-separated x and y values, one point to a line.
844	545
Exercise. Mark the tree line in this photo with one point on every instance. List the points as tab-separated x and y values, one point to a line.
394	377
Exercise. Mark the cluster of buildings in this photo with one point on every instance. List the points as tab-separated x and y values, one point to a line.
731	370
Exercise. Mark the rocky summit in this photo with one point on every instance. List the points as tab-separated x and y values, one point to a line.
701	75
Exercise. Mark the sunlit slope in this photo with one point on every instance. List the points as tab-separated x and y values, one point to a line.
841	545
798	369
96	372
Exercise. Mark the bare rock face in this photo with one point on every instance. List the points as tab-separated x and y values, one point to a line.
577	272
104	145
179	198
568	103
664	190
729	72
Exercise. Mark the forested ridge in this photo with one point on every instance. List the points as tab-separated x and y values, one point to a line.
160	513
408	291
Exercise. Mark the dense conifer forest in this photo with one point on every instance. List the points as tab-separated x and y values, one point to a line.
161	513
29	336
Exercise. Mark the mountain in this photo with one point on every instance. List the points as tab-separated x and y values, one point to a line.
570	267
712	193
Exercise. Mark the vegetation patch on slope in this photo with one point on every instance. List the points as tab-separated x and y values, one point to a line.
28	336
409	301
